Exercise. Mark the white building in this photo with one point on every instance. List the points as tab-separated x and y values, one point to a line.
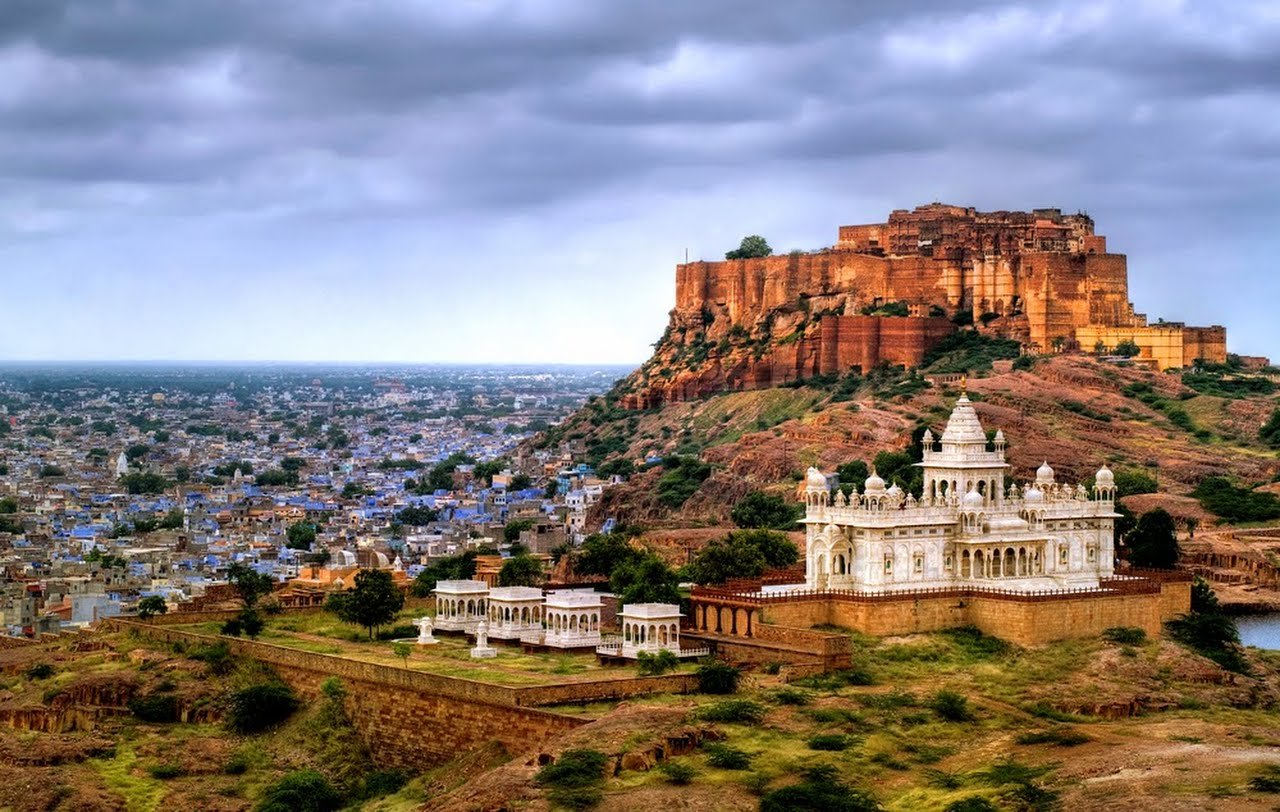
514	611
967	529
649	627
460	605
573	618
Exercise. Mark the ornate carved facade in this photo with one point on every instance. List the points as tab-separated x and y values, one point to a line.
968	528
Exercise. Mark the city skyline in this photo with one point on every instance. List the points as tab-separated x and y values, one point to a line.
514	183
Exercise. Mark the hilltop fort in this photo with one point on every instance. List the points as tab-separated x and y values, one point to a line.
889	292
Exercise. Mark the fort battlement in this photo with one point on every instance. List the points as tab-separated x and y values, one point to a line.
889	292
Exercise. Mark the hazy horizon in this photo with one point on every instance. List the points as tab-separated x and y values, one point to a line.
514	182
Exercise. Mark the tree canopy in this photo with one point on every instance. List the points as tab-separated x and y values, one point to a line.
152	605
449	568
1154	542
742	554
249	583
300	535
372	602
511	532
751	247
646	580
520	570
602	553
766	510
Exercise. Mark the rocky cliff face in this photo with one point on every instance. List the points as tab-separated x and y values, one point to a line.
884	293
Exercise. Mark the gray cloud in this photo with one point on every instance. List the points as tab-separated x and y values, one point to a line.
424	119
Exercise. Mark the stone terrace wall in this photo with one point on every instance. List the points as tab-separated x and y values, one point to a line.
1024	619
406	718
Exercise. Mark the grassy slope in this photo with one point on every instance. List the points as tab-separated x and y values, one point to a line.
1070	410
1198	752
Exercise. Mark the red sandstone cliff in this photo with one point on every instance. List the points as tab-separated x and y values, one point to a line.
754	323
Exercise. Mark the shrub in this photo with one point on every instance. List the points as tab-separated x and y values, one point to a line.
574	779
1269	781
155	708
302	791
1219	496
654	664
759	510
819	792
238	764
835	680
165	771
724	757
1125	635
39	671
677	772
829	741
715	677
216	658
383	782
261	706
1062	737
951	706
975	643
891	701
792	696
732	710
1211	634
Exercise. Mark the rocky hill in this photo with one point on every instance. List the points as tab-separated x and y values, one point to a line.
1072	410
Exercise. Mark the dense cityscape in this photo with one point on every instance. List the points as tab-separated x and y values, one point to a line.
122	482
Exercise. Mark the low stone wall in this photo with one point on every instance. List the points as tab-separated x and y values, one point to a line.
407	718
1025	622
605	689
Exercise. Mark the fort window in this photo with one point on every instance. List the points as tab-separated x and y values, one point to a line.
888	565
1062	555
919	564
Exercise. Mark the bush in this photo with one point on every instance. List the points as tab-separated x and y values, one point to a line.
1125	635
681	477
574	779
382	782
742	711
829	741
677	772
791	696
1219	496
261	706
157	708
238	764
715	677
819	792
724	757
1212	635
302	791
165	771
654	664
40	671
1153	542
1268	782
835	680
216	658
951	706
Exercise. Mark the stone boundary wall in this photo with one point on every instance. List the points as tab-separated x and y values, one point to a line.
597	690
1027	623
407	718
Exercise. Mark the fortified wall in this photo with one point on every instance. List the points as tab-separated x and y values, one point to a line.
1041	277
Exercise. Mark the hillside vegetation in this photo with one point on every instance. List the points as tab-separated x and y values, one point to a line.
1071	410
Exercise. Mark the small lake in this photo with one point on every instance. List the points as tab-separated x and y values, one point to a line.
1262	631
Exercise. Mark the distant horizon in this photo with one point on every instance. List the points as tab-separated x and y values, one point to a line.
289	362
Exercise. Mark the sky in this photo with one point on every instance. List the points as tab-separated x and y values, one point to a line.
482	181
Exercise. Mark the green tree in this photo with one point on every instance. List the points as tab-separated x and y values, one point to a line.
249	584
1128	349
520	570
300	535
150	606
751	247
1154	541
302	791
136	452
511	532
648	580
766	510
742	554
172	520
372	602
417	516
602	553
520	482
143	483
8	505
852	475
448	568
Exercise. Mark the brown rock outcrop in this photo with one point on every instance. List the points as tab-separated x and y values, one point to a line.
886	292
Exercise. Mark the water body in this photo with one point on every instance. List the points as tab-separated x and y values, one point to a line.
1262	631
